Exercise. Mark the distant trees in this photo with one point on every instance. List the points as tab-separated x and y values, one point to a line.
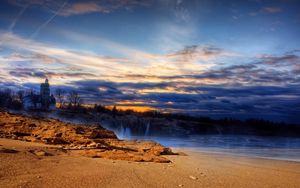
60	96
101	108
114	111
10	99
74	99
5	98
68	99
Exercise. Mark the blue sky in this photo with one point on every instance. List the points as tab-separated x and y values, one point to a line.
204	57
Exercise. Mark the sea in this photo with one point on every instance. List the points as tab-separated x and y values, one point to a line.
277	148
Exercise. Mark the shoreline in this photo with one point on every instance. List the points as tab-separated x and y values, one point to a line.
28	168
232	152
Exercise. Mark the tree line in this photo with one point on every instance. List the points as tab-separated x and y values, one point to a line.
71	99
12	99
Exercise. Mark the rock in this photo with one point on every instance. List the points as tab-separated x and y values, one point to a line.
193	177
29	139
31	124
79	130
180	185
54	140
167	151
5	150
58	134
92	145
93	141
17	133
40	153
101	133
14	137
95	134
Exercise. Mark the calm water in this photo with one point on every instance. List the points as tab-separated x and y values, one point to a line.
253	146
281	148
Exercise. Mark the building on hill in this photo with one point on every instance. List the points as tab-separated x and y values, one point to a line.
43	101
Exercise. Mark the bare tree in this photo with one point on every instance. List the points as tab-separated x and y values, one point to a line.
60	95
74	99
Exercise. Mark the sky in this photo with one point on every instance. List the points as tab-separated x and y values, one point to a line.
212	58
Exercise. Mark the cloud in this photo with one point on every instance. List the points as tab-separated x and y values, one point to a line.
80	7
33	57
181	12
27	73
267	84
83	8
42	73
196	63
184	61
272	10
221	100
66	56
288	59
250	74
267	10
197	57
199	53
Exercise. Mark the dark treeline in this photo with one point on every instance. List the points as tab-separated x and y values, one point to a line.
71	104
168	123
11	99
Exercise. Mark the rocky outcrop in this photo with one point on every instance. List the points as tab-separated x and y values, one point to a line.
93	141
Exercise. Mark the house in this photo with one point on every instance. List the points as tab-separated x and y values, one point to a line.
43	101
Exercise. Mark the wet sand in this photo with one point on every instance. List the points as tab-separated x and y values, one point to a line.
22	164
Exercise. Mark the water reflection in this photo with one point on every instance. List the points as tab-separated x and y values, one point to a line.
256	146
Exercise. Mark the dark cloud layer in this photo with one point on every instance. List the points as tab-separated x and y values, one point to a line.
280	101
42	73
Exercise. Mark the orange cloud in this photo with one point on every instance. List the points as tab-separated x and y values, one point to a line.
83	8
86	7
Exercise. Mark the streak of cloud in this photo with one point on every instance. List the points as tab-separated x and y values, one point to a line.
13	23
36	32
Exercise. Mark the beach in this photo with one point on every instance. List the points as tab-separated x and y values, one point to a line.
29	164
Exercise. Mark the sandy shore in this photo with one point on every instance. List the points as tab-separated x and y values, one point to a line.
22	164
